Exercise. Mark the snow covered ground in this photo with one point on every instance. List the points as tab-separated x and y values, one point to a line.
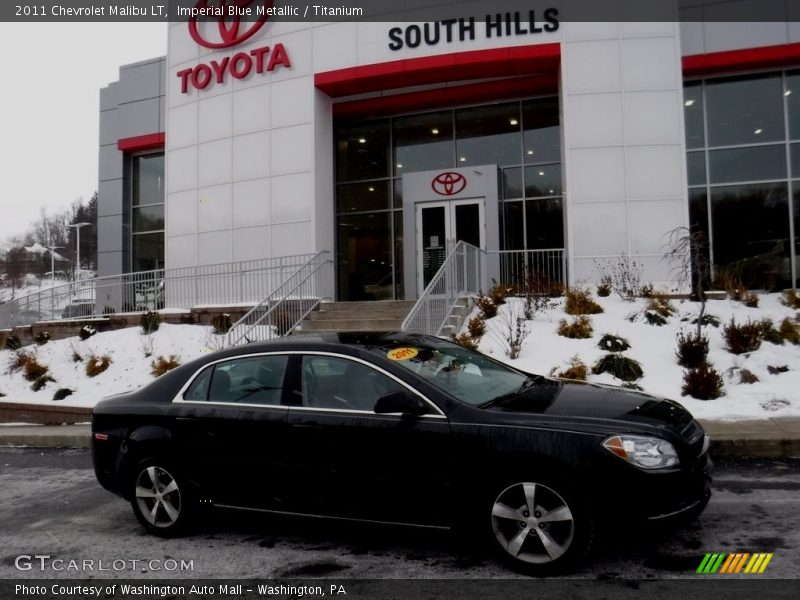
654	347
130	368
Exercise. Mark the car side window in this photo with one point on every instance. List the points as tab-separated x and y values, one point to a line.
252	380
331	382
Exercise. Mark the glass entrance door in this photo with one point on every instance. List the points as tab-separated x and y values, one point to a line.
440	225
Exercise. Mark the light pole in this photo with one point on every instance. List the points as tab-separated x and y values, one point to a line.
53	262
77	227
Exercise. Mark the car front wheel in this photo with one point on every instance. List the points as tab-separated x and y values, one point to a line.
540	528
160	500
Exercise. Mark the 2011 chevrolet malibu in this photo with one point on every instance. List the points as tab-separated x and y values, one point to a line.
406	429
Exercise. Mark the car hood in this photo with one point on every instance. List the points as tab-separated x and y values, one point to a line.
575	400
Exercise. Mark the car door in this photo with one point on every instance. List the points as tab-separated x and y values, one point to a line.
348	461
231	426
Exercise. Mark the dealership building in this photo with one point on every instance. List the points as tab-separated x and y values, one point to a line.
521	133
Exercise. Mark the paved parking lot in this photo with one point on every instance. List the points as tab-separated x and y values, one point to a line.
51	504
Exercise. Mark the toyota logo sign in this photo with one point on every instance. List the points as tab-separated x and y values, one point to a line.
231	31
449	184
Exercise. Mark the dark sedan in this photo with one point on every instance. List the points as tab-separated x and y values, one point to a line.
406	429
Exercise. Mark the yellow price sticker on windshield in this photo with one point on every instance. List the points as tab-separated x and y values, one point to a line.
402	353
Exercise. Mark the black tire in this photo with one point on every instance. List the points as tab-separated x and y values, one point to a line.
161	499
553	537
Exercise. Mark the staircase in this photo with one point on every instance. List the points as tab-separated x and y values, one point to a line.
381	315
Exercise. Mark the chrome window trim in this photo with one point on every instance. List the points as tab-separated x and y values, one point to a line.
178	399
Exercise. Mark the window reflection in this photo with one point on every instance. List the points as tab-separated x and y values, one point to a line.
751	233
423	142
745	110
147	212
542	131
365	256
693	115
362	150
488	135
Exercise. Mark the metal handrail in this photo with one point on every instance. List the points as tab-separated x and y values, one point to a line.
287	306
461	275
243	282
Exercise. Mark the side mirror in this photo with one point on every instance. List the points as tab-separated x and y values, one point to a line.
400	402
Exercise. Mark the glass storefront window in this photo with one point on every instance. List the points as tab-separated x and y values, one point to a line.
513	226
488	135
696	167
745	110
359	197
423	142
362	151
542	180
512	183
148	218
545	223
792	95
693	115
751	233
541	131
148	251
365	256
148	179
754	163
147	212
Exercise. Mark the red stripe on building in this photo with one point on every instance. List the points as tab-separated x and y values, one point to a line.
748	59
443	68
151	141
449	96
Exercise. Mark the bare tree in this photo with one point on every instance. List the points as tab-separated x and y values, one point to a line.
687	251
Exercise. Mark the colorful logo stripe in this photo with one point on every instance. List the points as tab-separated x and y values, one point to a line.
722	563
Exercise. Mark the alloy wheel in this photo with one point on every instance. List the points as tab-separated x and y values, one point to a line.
158	497
533	523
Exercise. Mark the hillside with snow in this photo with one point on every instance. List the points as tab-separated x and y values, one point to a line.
775	394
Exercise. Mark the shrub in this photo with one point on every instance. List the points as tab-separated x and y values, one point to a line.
579	302
76	357
221	323
97	364
539	284
625	275
13	343
61	394
164	364
575	370
692	350
769	333
476	327
747	376
486	306
2	395
86	332
661	304
708	319
499	292
791	299
620	366
790	331
33	370
41	338
652	317
776	370
19	359
703	383
510	329
578	328
536	303
740	339
40	382
647	291
604	288
732	284
465	340
750	299
613	343
150	322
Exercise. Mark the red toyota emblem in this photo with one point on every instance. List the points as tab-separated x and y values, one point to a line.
231	32
449	184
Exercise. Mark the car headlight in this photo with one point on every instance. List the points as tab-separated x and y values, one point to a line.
642	451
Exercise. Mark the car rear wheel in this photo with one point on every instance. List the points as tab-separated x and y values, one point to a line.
160	500
540	527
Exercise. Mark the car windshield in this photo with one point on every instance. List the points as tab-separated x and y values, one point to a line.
465	374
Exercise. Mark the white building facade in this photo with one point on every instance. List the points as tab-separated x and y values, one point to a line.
383	142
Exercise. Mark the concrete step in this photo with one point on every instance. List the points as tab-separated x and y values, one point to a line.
379	305
364	313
